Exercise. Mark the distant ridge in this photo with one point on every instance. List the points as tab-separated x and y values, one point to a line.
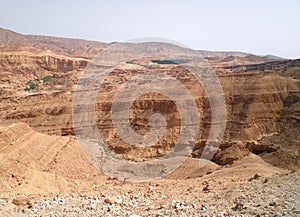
269	56
65	46
81	47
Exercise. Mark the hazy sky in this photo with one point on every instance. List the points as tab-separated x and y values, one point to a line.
257	26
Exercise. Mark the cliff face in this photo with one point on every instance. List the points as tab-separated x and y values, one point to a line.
29	64
260	108
25	65
262	101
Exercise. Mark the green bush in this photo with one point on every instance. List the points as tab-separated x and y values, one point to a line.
46	78
171	61
30	85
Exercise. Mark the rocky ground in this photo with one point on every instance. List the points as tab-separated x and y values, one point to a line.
56	180
258	196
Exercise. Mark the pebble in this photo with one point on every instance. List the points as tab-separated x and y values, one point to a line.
248	199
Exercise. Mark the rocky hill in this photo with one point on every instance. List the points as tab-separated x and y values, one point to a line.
64	46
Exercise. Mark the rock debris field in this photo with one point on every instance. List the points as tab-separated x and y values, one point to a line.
258	196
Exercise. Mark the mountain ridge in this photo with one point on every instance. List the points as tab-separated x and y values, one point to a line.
78	47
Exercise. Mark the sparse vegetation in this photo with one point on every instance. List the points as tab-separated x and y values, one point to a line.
46	78
32	84
171	61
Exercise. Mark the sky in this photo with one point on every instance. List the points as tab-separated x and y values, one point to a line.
255	26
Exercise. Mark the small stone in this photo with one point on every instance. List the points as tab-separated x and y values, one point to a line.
255	177
119	200
238	207
206	188
203	208
22	201
108	201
